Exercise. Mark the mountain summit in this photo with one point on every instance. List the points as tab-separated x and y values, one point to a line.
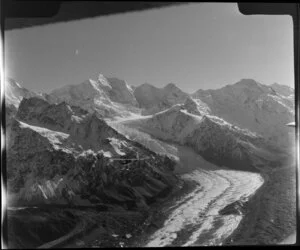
152	99
252	105
106	96
14	92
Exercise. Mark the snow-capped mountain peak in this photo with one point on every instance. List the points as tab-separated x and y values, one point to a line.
14	92
103	80
171	86
254	106
109	97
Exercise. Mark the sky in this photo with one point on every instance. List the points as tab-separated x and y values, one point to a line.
196	46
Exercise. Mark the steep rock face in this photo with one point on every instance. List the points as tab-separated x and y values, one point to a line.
59	117
86	130
213	138
147	95
225	146
121	92
153	100
196	106
173	94
257	107
106	96
87	95
58	154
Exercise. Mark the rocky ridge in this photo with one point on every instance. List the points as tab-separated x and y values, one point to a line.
212	137
254	106
58	154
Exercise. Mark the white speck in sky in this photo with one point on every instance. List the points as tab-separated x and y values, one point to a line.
76	52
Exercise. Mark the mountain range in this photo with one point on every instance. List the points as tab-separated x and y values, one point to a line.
62	148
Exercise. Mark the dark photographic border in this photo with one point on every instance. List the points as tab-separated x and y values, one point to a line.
17	14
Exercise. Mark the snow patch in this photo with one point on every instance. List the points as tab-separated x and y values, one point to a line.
117	145
54	137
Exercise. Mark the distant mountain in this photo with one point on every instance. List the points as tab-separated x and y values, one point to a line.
247	104
109	97
254	106
14	93
62	154
152	99
283	90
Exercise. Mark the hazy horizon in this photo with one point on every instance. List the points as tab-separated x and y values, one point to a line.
195	46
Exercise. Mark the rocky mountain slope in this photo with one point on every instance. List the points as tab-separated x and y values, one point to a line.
152	99
109	97
60	154
260	108
213	138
